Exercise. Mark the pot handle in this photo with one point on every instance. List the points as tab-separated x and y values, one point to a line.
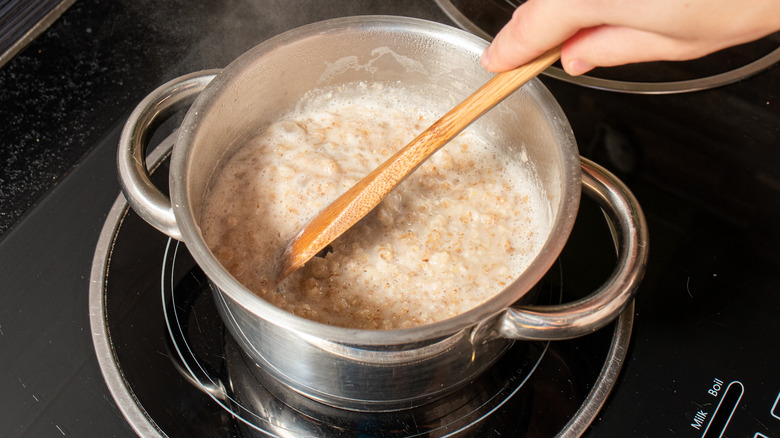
145	198
578	318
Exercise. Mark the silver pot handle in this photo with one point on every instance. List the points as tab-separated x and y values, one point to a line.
578	318
145	198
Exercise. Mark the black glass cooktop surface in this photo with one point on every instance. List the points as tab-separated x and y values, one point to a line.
702	360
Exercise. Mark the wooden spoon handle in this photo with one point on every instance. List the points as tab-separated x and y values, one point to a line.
361	198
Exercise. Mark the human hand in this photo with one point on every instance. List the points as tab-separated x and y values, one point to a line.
602	33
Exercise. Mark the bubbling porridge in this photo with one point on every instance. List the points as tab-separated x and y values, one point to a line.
449	237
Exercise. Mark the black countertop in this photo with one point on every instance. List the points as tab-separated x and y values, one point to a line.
81	77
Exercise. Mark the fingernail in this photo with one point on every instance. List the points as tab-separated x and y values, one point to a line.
485	59
576	67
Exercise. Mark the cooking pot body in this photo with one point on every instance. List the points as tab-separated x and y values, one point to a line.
357	369
369	369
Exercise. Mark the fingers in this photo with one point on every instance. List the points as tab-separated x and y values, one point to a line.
606	46
584	49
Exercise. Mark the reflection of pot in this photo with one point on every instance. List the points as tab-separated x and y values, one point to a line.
287	412
363	369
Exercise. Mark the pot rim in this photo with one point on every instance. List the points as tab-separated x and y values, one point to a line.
229	286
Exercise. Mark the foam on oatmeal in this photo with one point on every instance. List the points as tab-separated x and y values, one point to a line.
449	237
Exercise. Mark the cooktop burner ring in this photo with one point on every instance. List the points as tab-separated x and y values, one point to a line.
145	424
627	86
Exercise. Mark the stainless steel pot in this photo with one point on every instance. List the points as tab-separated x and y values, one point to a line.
363	369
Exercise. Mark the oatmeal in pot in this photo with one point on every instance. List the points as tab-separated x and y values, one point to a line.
452	235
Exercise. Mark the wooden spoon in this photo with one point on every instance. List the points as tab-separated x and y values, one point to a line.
361	198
